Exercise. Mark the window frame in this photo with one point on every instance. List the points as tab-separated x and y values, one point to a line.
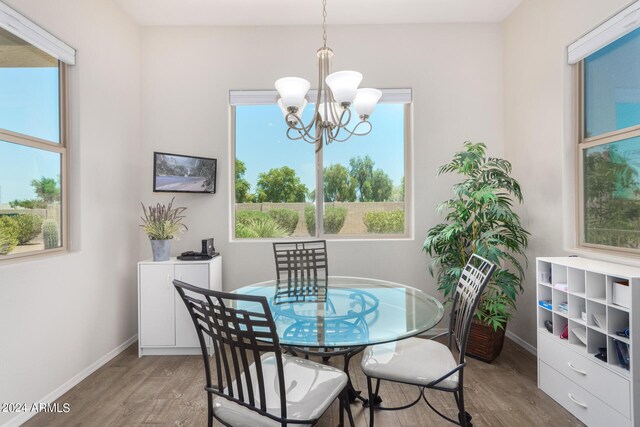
53	147
584	143
254	98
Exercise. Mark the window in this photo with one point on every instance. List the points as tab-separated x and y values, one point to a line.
32	149
609	145
363	179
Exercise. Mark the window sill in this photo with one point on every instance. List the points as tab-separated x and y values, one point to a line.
7	260
609	255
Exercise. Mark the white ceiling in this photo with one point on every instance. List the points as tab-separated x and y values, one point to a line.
309	12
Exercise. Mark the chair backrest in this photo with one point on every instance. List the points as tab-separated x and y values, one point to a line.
473	279
301	260
238	336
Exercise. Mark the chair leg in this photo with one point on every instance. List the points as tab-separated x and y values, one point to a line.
371	399
463	416
342	403
210	410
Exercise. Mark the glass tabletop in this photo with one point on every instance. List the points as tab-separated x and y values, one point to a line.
345	311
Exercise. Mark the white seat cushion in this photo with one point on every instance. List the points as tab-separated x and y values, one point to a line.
413	360
310	389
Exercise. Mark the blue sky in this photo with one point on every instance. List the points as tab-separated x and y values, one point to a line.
28	104
262	144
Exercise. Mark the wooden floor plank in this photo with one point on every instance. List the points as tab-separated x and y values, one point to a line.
168	391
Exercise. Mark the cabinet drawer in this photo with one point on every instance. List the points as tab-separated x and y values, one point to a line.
585	406
588	374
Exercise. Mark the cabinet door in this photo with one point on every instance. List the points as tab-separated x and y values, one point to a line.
196	275
157	305
215	274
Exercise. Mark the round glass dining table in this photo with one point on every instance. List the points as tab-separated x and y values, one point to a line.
343	315
345	312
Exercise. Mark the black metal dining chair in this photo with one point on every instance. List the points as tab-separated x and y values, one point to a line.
256	384
429	364
305	260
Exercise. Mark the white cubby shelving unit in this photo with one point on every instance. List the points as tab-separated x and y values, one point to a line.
598	391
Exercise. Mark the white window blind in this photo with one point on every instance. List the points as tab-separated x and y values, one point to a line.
22	27
255	97
619	25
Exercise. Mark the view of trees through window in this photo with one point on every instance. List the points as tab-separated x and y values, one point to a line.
31	150
612	194
362	178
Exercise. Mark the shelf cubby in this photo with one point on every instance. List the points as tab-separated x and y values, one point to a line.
559	322
559	297
577	306
612	356
544	273
617	320
595	341
578	335
558	274
543	316
576	281
596	287
599	311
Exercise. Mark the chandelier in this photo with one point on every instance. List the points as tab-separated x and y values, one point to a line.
336	93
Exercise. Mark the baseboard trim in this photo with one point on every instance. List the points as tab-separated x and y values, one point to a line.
522	343
55	394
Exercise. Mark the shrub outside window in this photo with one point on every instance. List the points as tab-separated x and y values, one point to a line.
276	179
609	146
32	150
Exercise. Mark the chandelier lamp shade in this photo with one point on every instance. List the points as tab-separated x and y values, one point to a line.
337	93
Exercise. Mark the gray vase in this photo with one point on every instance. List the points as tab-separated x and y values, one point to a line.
161	249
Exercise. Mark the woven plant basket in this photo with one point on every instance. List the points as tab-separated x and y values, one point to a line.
484	343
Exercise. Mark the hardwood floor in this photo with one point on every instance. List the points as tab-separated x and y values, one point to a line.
167	390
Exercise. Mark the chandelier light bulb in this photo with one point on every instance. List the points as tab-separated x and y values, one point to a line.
292	91
366	101
344	85
326	107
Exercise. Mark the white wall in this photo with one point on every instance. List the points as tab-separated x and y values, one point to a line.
539	126
59	315
455	72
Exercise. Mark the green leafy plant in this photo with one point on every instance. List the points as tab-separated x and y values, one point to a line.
162	222
50	234
286	218
384	222
29	226
28	204
8	234
333	220
245	216
479	218
256	228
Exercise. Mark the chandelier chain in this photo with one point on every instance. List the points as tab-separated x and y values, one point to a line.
324	22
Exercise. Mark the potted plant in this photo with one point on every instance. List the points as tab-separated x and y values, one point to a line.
162	223
479	218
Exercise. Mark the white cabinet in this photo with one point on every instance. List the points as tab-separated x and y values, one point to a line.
578	295
164	324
